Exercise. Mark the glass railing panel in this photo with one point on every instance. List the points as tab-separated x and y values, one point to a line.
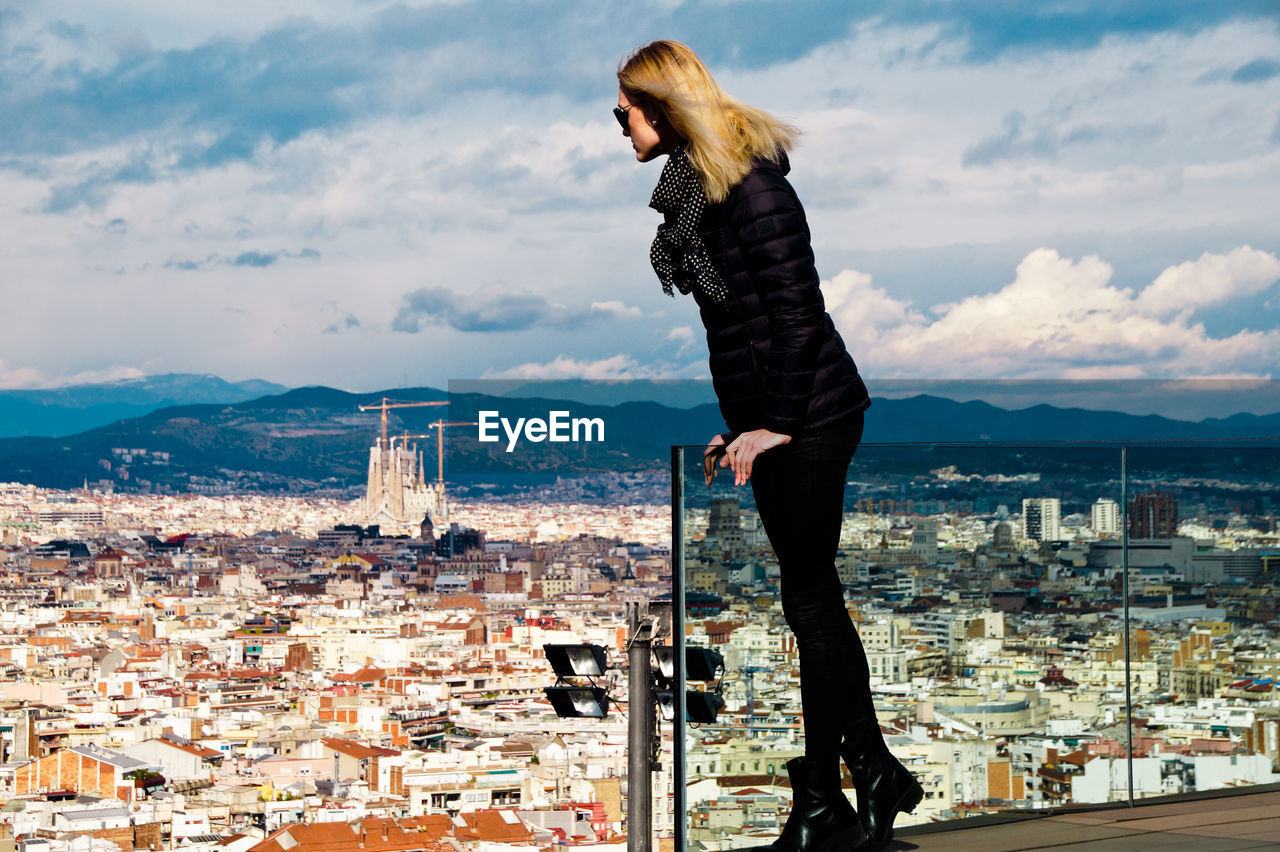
993	637
1203	562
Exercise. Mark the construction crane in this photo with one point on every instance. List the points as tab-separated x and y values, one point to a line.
750	671
387	404
439	426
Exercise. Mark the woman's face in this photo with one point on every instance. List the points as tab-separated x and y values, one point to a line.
645	135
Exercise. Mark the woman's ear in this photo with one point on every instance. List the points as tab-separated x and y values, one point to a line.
667	133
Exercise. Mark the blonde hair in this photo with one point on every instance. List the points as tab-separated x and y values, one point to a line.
723	134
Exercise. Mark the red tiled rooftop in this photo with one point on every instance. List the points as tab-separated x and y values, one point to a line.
368	674
371	835
351	748
493	827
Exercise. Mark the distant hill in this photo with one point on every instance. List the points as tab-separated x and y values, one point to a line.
932	418
77	408
315	439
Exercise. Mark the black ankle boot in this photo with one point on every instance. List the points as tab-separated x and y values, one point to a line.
884	787
822	820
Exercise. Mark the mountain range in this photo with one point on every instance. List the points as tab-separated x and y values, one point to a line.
77	408
316	439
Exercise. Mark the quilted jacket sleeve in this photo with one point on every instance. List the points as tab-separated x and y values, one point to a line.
774	238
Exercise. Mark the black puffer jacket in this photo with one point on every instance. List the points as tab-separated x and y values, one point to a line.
777	361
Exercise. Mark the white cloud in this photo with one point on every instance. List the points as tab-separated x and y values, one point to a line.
617	310
1059	319
683	335
1209	280
29	378
535	186
864	306
620	366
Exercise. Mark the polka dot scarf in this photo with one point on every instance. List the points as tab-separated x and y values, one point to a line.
678	254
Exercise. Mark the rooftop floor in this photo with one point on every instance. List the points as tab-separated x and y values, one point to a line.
1239	820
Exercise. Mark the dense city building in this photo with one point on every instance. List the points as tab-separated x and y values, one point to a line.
1041	518
1153	515
262	673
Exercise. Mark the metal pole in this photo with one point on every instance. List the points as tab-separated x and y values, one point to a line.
1124	586
639	732
681	818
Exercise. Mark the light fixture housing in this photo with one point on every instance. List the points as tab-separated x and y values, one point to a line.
702	706
665	656
576	702
576	660
667	705
699	707
700	664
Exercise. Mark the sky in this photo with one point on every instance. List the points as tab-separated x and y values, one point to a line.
365	194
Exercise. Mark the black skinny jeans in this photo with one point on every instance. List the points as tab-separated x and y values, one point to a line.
799	491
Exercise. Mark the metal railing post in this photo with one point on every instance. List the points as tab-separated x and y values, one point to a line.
681	817
640	710
1124	586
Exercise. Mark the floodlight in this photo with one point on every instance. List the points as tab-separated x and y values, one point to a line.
698	706
666	657
667	704
572	702
576	660
700	664
702	706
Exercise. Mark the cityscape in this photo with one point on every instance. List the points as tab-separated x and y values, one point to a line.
268	672
995	630
353	409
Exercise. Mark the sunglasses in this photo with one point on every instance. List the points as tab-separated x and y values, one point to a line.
620	113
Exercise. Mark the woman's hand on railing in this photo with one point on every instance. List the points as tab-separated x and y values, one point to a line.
740	454
712	454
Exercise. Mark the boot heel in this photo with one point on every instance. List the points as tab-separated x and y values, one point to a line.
910	799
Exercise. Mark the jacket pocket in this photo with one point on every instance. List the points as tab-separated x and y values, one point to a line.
757	360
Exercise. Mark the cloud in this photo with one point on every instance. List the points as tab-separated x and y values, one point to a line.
1063	318
66	31
288	80
30	378
615	367
189	265
1041	139
413	145
252	259
94	189
864	306
496	308
1257	71
348	321
492	309
237	89
992	30
1015	141
617	309
683	335
1211	279
255	258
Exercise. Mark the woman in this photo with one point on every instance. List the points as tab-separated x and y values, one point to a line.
735	236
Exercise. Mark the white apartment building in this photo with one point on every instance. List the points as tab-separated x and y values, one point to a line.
1042	518
1104	517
